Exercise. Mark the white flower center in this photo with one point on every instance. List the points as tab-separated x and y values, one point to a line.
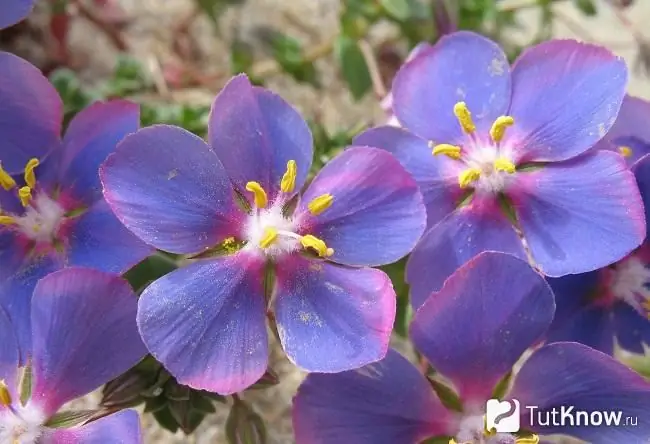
629	283
271	218
471	430
21	424
485	159
41	220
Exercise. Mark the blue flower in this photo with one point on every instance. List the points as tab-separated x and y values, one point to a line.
13	11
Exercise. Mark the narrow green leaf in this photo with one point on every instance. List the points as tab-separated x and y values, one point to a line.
447	396
397	9
353	66
70	418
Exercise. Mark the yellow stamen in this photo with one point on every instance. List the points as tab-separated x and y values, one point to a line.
503	164
533	439
464	117
5	396
499	127
30	175
288	182
6	181
448	150
468	176
25	195
317	244
625	151
258	192
7	220
320	204
270	235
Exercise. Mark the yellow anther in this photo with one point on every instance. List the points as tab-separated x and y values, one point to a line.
448	150
625	151
270	235
503	164
7	220
468	176
499	127
6	181
464	117
288	182
30	175
25	195
259	194
5	396
320	204
317	244
533	439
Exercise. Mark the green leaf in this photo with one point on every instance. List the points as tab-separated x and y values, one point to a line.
165	419
287	51
26	384
244	426
202	403
502	386
398	9
149	270
587	7
70	418
353	66
447	396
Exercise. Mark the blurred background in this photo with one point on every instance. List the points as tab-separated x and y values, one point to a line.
333	59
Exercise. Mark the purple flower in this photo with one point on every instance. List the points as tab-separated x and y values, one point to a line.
84	334
13	11
52	213
509	156
206	322
612	303
473	331
630	134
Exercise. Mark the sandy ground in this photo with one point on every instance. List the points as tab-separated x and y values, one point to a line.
150	38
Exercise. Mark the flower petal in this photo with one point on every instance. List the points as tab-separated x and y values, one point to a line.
565	97
9	352
91	136
569	374
465	233
169	188
205	323
580	215
461	67
84	334
382	403
119	428
641	171
437	177
377	214
632	329
13	11
255	133
478	325
31	111
332	318
96	239
631	128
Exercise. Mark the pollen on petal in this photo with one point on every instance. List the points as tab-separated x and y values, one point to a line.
317	244
464	117
25	195
625	151
7	220
467	177
5	395
503	164
499	127
320	204
288	183
6	181
30	174
451	151
258	193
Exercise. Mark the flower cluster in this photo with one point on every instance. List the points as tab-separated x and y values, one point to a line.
519	194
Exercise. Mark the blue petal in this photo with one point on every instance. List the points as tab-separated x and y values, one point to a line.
458	238
437	177
96	239
569	374
461	67
632	329
387	402
592	326
377	214
31	111
332	318
9	352
84	334
206	323
119	428
169	188
641	171
255	133
13	11
478	325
